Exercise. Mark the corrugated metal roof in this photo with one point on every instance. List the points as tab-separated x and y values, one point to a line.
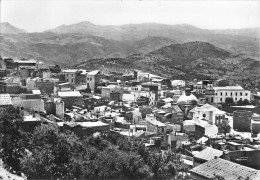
226	169
5	99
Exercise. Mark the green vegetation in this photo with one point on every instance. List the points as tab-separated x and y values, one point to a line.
48	153
13	139
229	100
225	127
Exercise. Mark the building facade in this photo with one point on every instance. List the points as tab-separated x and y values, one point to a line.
93	78
235	92
70	75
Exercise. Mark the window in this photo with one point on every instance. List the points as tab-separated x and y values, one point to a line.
87	79
72	80
71	75
90	79
241	94
221	99
226	93
236	93
221	94
246	94
231	94
235	98
162	129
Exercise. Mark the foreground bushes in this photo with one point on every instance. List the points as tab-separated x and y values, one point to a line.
48	153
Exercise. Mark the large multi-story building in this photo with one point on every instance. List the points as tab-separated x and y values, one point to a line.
200	87
235	92
70	75
93	78
27	64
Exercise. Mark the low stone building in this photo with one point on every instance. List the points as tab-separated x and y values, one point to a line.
71	98
84	129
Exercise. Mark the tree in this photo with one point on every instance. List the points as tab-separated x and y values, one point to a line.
229	100
246	102
225	127
255	102
239	102
51	153
13	139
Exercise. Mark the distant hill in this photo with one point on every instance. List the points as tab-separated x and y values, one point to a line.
250	32
237	40
193	60
71	48
76	43
188	52
7	28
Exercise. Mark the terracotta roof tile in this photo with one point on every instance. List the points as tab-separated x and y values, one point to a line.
226	169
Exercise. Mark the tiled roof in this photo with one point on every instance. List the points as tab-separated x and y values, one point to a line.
156	123
27	61
208	107
5	99
93	72
70	70
228	88
209	153
226	169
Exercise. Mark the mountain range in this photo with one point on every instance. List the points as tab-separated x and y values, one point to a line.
192	60
80	42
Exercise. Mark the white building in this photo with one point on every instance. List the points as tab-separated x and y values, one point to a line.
93	78
28	64
236	92
178	83
208	113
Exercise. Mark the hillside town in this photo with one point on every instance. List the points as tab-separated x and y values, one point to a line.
212	124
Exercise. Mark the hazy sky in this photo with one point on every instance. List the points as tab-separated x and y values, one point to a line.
40	15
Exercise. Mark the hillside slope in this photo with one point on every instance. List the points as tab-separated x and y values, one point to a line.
7	28
66	49
237	40
182	54
193	60
72	44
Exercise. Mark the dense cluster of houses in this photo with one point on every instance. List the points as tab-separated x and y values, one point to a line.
184	116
